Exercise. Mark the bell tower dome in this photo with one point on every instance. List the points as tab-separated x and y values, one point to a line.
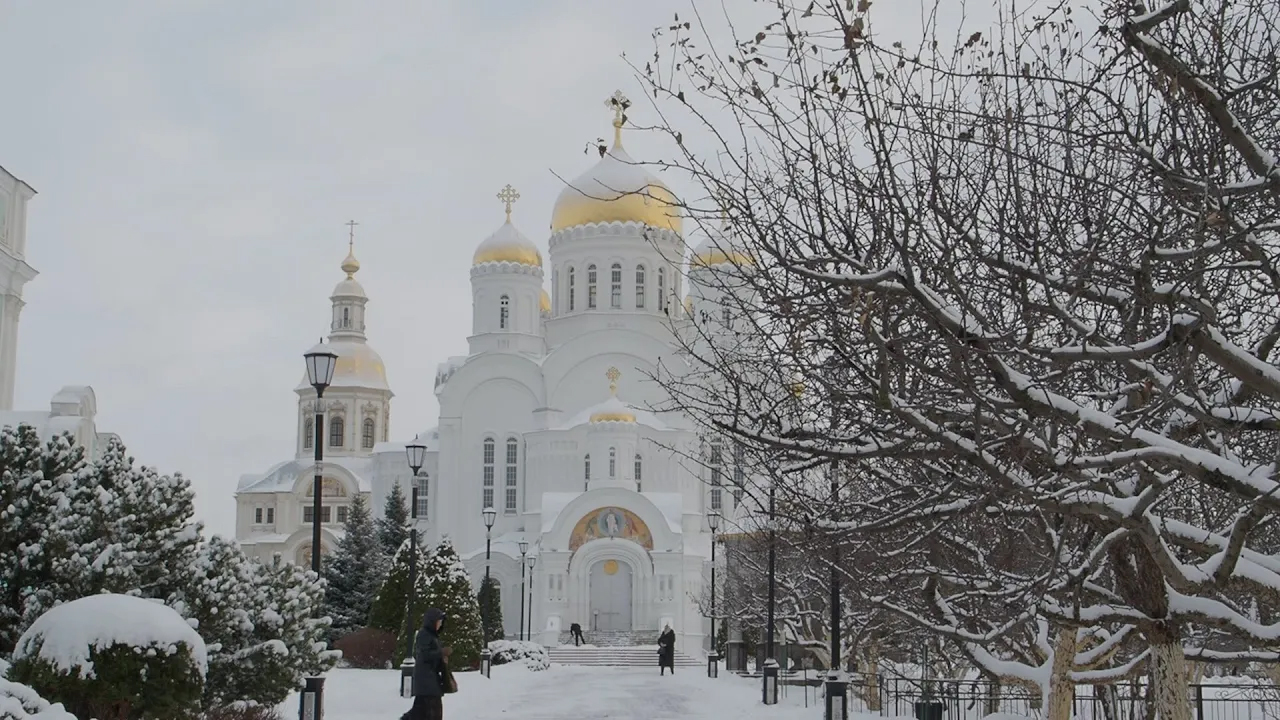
506	290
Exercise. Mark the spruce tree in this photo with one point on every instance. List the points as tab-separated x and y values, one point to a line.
43	494
490	601
449	588
389	606
353	573
393	526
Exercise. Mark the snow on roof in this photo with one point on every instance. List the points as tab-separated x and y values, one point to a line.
643	417
68	632
264	540
283	476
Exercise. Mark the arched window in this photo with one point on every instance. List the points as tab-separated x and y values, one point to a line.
586	468
591	287
346	317
639	287
513	455
714	459
504	311
639	467
613	462
571	289
662	289
309	433
336	432
739	474
725	316
615	286
367	434
486	496
422	484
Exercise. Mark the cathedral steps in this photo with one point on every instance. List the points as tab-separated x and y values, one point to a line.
615	656
615	638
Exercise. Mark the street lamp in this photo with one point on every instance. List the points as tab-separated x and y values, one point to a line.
416	454
524	550
486	658
533	560
320	365
770	674
837	690
713	657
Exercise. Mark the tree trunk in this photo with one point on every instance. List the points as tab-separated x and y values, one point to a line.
1168	668
871	677
1061	687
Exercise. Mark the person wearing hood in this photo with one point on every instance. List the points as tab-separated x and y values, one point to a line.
667	651
431	677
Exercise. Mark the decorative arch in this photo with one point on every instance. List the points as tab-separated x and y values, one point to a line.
610	523
303	484
662	536
516	370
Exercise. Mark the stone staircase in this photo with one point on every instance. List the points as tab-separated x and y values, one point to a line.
616	656
615	638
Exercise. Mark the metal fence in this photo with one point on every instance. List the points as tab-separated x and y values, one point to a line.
975	699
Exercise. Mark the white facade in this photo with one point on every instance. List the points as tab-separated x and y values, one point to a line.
547	420
73	410
14	274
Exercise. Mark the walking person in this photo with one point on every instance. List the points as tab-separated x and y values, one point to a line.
431	676
667	651
576	631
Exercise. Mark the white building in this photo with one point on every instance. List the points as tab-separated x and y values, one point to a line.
544	420
14	274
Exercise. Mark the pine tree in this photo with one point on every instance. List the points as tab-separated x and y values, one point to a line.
353	573
393	526
43	492
388	611
490	601
449	588
288	624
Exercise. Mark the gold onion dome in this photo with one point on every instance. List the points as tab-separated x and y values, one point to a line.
617	189
544	302
508	244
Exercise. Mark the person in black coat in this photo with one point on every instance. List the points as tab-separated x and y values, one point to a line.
575	630
430	672
667	651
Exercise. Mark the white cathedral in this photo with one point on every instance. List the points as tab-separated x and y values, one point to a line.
546	420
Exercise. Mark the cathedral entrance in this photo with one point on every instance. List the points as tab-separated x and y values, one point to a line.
610	596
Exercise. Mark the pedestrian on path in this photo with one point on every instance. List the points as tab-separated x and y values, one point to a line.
431	675
667	651
576	631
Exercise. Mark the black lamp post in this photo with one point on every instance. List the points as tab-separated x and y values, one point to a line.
837	691
713	657
486	658
770	674
533	560
524	550
320	366
416	454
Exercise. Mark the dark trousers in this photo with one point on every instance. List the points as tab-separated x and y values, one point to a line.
577	636
425	708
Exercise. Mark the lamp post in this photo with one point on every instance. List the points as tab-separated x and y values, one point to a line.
533	560
486	658
416	454
524	550
837	690
320	365
770	674
713	657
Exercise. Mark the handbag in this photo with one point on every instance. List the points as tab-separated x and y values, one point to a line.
447	683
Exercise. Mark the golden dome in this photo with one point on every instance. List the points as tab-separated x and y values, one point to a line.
613	410
688	304
544	302
351	265
507	245
617	189
716	256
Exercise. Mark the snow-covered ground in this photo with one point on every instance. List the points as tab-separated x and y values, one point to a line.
568	693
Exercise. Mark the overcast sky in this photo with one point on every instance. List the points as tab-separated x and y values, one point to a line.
196	161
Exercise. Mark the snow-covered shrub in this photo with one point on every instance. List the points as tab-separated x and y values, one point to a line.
19	702
529	654
114	657
368	649
449	589
243	711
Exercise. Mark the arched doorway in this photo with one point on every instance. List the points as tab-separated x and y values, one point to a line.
610	596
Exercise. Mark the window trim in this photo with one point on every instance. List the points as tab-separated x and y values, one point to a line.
615	286
571	275
511	485
591	287
640	286
488	461
337	429
368	433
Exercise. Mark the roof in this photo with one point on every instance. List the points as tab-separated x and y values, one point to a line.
643	417
283	476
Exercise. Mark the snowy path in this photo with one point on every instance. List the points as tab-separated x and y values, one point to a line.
564	693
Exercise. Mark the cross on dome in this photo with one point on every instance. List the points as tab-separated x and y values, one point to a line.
508	195
613	374
350	265
618	103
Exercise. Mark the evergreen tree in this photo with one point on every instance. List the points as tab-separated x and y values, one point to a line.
490	601
449	588
353	573
288	623
388	611
393	526
43	495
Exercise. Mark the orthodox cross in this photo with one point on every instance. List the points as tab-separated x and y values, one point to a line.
618	103
508	195
613	374
351	234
